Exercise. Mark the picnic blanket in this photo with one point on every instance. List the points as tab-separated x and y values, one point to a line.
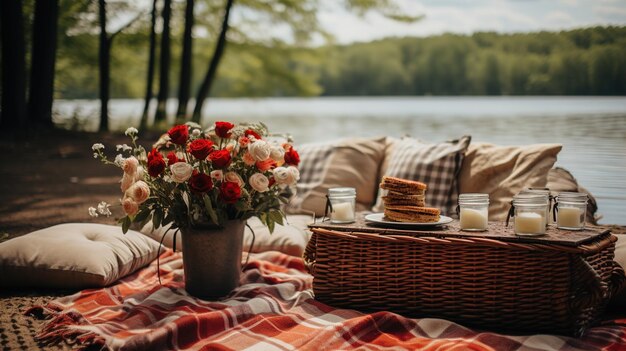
273	309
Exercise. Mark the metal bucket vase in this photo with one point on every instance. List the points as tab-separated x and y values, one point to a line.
212	259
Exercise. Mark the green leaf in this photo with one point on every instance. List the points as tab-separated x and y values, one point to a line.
142	215
157	218
276	216
126	224
270	226
209	209
4	237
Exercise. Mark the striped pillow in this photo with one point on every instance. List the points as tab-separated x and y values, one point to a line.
437	165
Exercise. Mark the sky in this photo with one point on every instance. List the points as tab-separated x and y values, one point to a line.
469	16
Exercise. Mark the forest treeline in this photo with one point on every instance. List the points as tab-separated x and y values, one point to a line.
589	61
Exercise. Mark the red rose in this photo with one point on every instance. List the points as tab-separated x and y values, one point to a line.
230	192
200	183
249	132
222	129
172	158
292	157
156	164
179	134
220	158
200	148
271	182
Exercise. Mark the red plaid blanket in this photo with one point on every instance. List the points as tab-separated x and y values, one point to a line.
273	309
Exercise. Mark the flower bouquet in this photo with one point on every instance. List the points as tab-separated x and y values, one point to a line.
193	176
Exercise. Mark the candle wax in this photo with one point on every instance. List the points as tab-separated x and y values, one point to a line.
342	212
569	217
530	223
473	219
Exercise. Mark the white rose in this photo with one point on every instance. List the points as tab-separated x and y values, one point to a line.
181	171
218	174
233	177
284	175
277	154
260	150
259	182
295	173
139	192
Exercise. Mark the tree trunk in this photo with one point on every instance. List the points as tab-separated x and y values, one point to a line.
185	65
104	63
151	57
205	88
165	64
42	62
13	65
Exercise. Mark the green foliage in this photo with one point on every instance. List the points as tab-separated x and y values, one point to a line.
583	61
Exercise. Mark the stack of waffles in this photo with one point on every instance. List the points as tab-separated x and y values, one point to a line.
405	201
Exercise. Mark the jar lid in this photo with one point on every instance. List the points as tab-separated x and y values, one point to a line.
530	198
473	198
344	191
571	196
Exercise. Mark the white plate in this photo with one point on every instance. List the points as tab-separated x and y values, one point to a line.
379	219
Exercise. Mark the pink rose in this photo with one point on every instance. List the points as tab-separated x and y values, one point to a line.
139	192
127	181
130	206
130	165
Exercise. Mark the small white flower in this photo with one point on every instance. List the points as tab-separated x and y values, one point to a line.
119	160
92	212
103	209
97	147
131	131
95	155
196	133
123	147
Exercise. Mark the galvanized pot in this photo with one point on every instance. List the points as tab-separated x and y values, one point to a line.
212	259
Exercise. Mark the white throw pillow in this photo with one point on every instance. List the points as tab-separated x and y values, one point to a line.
73	256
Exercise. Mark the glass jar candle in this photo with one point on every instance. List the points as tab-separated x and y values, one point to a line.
570	210
473	212
342	203
530	214
546	193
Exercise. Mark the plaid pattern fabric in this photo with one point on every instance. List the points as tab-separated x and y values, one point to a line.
273	309
436	165
314	160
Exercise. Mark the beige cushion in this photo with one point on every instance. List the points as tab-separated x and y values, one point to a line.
73	255
435	164
352	162
290	238
502	171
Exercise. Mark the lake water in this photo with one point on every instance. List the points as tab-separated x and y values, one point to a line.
592	130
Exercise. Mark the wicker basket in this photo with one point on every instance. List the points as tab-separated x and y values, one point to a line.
485	283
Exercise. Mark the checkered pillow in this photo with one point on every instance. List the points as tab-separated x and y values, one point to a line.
313	162
437	165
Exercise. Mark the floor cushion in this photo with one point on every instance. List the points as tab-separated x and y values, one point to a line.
73	256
